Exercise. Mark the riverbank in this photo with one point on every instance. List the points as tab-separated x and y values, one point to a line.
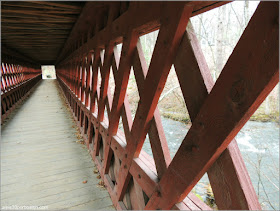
177	117
257	117
262	117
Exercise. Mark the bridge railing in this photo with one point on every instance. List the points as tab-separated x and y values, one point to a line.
16	82
218	110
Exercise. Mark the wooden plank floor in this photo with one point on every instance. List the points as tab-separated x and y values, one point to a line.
41	162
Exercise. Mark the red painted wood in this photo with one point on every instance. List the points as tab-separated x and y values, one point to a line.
168	44
88	80
16	82
120	90
137	171
126	113
95	65
169	38
105	71
240	89
157	138
228	191
133	18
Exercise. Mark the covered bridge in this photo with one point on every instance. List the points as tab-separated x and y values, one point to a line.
41	163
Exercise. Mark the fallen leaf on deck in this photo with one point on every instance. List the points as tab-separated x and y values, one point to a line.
101	184
80	142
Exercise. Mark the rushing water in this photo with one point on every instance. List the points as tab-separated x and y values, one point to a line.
259	146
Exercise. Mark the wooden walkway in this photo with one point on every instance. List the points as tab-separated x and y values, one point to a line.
42	164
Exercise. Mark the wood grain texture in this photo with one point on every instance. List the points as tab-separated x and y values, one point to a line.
55	166
226	173
240	89
129	173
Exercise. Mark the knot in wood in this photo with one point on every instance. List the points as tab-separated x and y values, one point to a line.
194	148
237	92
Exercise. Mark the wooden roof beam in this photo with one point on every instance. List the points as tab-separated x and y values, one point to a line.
32	6
143	25
84	23
20	13
56	4
37	12
31	20
13	53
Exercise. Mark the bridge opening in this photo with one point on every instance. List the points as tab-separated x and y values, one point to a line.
48	72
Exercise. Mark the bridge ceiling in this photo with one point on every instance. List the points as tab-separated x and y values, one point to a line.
39	29
46	32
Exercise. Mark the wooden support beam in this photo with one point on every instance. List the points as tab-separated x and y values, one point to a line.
169	38
158	141
193	74
124	70
247	78
17	79
143	24
137	171
85	21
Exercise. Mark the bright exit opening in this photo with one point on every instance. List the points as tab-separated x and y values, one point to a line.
48	72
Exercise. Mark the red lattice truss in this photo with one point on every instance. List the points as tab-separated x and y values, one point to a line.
16	81
218	111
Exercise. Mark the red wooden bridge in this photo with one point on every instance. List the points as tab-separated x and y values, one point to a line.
41	163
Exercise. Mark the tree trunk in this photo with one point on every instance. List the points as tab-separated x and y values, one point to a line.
219	41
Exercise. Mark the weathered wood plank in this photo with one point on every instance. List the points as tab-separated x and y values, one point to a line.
47	168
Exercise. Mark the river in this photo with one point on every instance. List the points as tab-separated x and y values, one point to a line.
259	146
